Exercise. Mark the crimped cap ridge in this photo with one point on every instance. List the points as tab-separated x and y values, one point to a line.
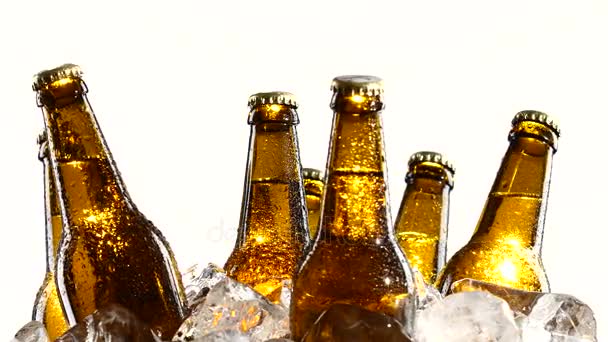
431	157
273	97
310	173
539	117
46	77
358	85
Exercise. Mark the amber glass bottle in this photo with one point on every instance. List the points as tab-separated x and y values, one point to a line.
273	234
422	222
313	187
355	258
506	246
47	307
110	253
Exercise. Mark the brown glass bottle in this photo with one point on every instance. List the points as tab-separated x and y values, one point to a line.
273	234
313	188
355	258
506	246
110	253
422	222
47	306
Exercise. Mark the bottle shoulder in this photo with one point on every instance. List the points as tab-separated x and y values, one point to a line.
365	266
506	264
118	233
40	303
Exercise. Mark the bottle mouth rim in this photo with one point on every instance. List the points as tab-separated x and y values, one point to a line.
535	130
440	174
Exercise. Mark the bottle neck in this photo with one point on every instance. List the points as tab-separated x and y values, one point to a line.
313	189
274	204
355	206
514	213
54	220
422	224
88	181
424	208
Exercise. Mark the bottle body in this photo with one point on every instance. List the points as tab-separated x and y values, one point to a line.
47	306
506	246
110	252
421	227
355	258
274	233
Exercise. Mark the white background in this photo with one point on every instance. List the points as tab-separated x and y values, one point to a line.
169	83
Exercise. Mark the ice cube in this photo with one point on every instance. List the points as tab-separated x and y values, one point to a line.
467	317
285	298
198	282
231	305
520	301
557	318
542	316
112	323
191	273
224	336
33	331
426	294
349	323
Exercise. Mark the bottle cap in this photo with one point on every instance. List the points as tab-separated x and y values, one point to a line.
46	77
536	116
314	174
358	85
273	97
431	157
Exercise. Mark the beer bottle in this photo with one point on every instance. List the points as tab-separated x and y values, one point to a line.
422	223
506	246
273	231
47	307
355	258
110	252
313	187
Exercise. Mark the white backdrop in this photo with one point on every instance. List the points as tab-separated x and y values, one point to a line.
169	83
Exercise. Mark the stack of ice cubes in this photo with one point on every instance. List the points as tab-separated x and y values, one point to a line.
224	310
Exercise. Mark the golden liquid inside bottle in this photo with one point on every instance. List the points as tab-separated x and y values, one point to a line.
110	252
355	258
313	203
273	233
47	306
505	248
313	187
48	309
421	227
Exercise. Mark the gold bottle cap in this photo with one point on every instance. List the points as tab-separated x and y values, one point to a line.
536	116
431	157
46	77
309	173
358	85
273	97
